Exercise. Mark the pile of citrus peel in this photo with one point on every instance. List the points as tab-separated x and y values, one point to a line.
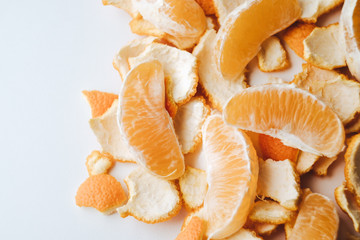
184	89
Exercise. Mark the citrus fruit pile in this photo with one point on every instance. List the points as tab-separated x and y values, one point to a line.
185	92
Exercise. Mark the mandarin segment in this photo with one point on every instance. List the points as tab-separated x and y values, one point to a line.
232	171
246	27
99	101
146	124
273	148
291	114
102	192
317	219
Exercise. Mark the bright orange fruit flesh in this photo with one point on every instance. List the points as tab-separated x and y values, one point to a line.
102	192
232	173
240	37
317	219
147	125
273	148
293	115
99	101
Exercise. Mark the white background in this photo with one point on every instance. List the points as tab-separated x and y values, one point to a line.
49	52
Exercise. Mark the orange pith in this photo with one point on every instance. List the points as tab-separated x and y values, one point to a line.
232	173
146	124
102	192
99	101
317	219
293	115
245	28
194	230
273	148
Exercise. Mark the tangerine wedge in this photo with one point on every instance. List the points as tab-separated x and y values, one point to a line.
317	219
147	125
293	115
246	27
232	174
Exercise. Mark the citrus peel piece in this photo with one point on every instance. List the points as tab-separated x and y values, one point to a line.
336	90
193	187
270	212
99	163
273	148
272	55
194	230
347	202
279	181
216	89
323	47
349	30
313	9
102	192
98	101
188	122
351	157
151	199
108	135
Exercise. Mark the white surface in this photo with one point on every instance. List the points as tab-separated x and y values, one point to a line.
49	52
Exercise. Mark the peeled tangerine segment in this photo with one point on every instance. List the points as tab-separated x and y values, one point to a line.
232	173
188	123
180	18
245	28
146	124
323	48
279	181
350	33
217	89
336	90
193	187
108	134
151	199
291	114
317	219
178	65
